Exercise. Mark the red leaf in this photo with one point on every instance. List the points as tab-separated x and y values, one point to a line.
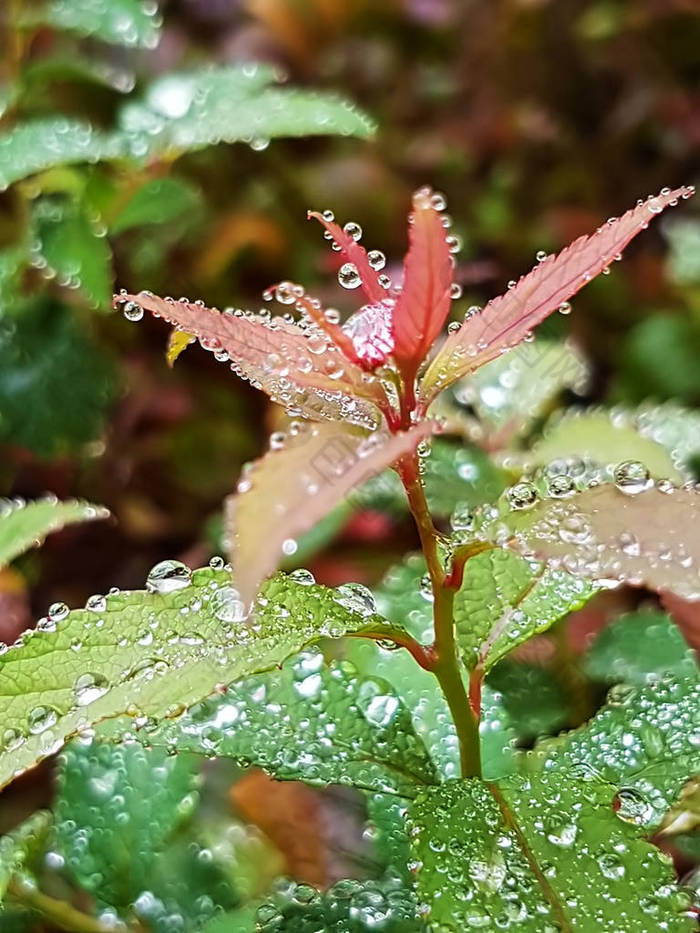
287	491
506	320
424	303
299	368
351	251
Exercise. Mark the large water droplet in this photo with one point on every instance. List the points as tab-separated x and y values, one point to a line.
348	276
632	477
168	576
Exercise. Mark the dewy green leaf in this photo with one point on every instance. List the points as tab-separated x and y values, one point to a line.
238	921
25	524
510	392
312	723
505	600
31	147
148	654
644	742
159	201
631	532
126	830
638	648
189	110
534	701
116	808
55	382
353	906
123	22
74	247
536	853
606	438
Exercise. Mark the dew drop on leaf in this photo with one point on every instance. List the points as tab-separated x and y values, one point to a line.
348	276
168	576
632	477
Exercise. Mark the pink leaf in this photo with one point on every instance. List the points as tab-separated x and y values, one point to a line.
424	303
299	368
352	252
287	491
646	539
506	320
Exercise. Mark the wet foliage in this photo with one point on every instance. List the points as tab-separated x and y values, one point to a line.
437	670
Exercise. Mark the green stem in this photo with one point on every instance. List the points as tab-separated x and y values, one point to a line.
59	913
445	664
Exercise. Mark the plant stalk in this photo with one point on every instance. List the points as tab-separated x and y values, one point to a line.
445	665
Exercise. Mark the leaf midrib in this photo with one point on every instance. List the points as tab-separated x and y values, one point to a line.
548	891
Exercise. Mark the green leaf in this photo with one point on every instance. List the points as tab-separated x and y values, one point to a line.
159	201
453	474
73	246
630	532
510	392
190	110
505	600
312	723
43	71
116	808
539	853
238	921
603	437
459	474
638	648
645	742
532	698
149	654
123	22
31	147
20	846
24	525
386	828
55	383
352	906
123	826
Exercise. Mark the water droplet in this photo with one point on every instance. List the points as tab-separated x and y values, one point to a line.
96	603
89	687
561	486
227	605
168	576
348	276
632	477
285	293
353	230
522	496
632	807
58	611
40	719
376	259
132	311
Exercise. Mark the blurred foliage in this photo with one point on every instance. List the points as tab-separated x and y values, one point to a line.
537	119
